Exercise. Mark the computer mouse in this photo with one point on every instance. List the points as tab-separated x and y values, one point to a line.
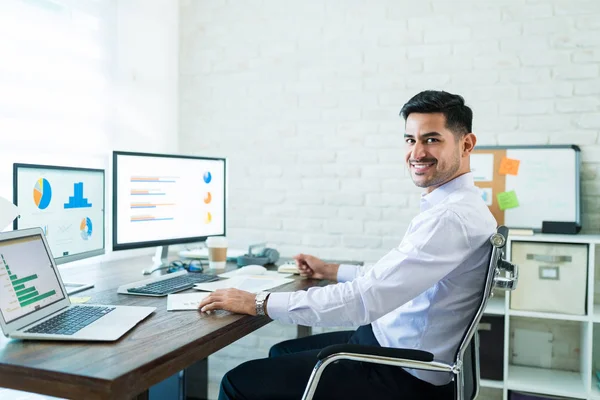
252	270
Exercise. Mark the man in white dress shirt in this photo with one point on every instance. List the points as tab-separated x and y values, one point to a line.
421	295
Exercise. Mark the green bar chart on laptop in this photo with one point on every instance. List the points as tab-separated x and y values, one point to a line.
24	287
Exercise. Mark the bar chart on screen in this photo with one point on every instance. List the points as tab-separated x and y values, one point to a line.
151	198
24	289
168	197
77	200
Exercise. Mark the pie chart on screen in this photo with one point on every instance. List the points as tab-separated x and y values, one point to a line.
86	228
207	198
207	177
42	193
208	218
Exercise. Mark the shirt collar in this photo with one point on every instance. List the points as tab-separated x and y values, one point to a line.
429	200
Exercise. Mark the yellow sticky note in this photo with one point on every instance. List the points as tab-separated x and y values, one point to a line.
509	166
78	300
507	200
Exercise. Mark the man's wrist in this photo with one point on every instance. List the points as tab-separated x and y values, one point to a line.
333	271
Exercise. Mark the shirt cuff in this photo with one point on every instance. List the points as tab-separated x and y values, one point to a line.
277	306
346	272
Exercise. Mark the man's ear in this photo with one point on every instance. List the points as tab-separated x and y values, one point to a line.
468	142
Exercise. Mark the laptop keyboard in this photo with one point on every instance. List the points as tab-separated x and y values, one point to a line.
172	285
71	321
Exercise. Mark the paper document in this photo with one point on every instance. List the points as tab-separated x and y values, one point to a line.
79	300
252	284
486	195
8	213
185	301
482	167
241	272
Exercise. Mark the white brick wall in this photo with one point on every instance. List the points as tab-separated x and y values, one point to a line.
303	97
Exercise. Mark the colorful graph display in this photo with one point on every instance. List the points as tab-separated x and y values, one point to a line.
26	294
163	179
148	218
167	198
86	228
42	193
77	200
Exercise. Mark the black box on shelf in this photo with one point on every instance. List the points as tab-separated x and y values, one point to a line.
531	396
491	347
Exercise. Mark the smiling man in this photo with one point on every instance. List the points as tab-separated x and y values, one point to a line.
421	295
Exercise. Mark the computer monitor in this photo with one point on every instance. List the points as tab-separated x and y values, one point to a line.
165	199
67	203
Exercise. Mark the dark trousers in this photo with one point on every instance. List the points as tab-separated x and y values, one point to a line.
285	373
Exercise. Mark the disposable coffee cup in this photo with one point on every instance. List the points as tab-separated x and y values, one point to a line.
217	252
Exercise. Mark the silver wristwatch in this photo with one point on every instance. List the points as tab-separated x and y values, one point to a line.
261	297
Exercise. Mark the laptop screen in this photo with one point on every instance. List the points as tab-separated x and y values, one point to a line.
29	279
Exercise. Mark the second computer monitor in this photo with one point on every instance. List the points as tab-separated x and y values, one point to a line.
161	199
67	203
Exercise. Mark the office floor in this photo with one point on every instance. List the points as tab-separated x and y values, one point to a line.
7	394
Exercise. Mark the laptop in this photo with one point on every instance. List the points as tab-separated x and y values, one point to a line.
34	303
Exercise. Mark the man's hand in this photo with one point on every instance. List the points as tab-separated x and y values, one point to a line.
314	267
234	300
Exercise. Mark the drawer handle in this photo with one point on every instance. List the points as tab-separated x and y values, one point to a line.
549	258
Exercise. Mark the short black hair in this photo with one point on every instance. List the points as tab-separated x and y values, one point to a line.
459	117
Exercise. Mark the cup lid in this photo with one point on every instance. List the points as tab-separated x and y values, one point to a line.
216	241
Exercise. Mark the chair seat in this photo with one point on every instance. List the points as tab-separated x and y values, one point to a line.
410	354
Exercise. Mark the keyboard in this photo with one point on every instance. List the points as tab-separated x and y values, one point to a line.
171	285
70	321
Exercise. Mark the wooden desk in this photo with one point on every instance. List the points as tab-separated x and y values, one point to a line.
160	346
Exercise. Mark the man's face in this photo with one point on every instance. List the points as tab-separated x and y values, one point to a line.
433	155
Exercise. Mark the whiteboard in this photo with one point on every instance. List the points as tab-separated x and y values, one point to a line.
546	185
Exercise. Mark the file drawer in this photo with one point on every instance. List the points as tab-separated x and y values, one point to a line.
552	277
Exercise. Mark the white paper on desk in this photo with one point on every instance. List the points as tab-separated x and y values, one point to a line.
185	301
8	213
270	274
249	283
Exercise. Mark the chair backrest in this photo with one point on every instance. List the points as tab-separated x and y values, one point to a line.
501	274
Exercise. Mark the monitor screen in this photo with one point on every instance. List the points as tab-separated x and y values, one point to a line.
30	279
161	199
67	203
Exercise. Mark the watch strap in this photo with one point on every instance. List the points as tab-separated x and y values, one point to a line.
261	298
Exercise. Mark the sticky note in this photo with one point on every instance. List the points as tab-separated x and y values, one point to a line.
509	166
507	200
78	300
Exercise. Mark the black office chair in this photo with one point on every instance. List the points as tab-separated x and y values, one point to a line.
465	369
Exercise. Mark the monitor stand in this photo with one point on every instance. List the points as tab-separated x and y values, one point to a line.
159	261
160	258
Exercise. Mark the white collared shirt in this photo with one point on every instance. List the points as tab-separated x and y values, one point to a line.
422	294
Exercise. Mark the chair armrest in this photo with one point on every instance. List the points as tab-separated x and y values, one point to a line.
416	355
